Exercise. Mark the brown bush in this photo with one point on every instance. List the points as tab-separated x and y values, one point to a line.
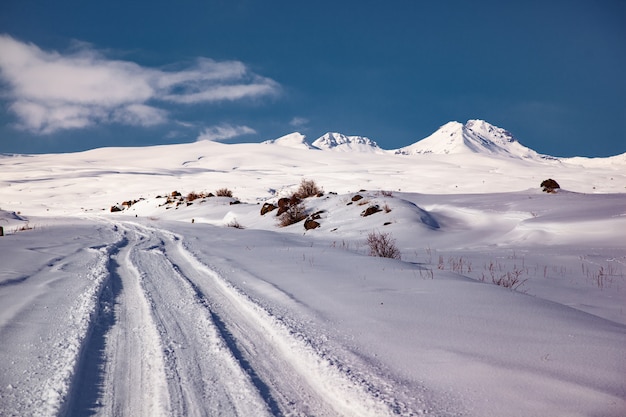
382	245
224	192
193	196
292	214
308	188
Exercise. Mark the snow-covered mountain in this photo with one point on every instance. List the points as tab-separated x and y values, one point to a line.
293	140
453	138
338	142
473	137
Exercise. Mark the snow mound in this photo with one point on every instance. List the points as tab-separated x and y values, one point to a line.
9	220
341	143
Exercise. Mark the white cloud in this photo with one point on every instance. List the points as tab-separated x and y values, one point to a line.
223	132
139	115
50	91
225	92
299	121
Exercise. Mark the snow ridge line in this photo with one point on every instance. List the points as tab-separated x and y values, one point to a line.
327	380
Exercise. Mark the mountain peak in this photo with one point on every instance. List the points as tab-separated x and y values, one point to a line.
293	140
473	137
339	142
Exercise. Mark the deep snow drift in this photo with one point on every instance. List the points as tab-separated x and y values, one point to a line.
189	304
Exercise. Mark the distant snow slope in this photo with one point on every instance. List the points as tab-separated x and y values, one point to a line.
474	137
96	179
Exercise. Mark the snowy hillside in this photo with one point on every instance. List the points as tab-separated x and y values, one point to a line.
161	281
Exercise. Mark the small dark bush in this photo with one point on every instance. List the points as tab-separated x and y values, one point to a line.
234	223
308	188
292	214
382	245
193	196
224	192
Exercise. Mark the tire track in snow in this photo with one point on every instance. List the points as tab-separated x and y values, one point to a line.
88	383
285	369
203	378
134	381
45	387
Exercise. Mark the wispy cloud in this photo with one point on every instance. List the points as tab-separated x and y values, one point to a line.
224	132
299	122
49	91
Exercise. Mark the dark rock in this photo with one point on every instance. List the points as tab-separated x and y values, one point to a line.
311	224
370	210
267	207
550	186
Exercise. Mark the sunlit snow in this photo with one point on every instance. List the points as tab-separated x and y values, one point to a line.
196	304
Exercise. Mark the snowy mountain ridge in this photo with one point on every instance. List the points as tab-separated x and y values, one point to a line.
339	142
453	138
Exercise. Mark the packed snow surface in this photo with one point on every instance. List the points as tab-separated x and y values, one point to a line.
506	300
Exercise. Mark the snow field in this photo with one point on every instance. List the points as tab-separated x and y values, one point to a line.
164	310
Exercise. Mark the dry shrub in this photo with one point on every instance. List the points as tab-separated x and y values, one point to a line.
235	223
383	245
308	188
193	196
292	214
224	192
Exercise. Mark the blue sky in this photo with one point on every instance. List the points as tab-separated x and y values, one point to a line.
75	75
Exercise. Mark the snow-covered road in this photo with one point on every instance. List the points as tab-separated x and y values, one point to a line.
159	333
128	316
